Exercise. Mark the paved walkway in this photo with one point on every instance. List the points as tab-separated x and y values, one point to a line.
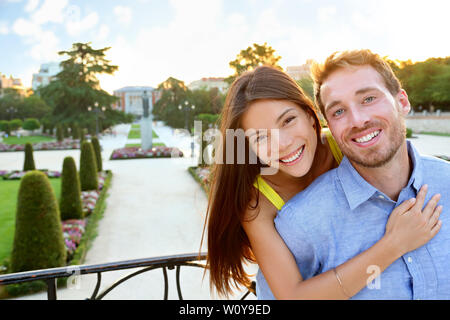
154	208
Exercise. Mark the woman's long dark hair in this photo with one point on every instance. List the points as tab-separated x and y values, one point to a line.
231	185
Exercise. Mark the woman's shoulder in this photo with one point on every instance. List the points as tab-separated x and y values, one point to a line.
260	209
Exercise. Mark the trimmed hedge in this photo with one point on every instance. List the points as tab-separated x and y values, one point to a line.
38	238
88	167
70	204
14	290
28	164
98	153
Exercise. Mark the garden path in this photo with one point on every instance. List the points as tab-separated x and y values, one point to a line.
154	208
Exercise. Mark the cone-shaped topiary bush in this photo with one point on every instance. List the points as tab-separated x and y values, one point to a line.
88	167
59	133
98	153
75	132
70	204
38	238
28	164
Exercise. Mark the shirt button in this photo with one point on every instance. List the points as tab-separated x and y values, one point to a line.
381	197
409	259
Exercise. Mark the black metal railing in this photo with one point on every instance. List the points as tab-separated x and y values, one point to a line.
165	263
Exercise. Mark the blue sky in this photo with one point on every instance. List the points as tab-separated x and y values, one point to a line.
151	40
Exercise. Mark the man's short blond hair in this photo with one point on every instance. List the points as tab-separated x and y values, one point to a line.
345	59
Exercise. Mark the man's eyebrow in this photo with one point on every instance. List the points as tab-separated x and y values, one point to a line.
364	90
358	92
332	104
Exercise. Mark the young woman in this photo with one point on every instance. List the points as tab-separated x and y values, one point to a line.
243	203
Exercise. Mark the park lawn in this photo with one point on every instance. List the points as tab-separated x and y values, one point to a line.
26	139
156	144
436	133
136	134
9	190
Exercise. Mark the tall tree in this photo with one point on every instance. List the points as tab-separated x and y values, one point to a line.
76	87
252	57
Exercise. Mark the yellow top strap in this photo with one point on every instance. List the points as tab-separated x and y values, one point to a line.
272	195
337	154
268	191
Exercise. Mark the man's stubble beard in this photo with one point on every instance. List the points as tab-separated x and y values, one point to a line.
378	158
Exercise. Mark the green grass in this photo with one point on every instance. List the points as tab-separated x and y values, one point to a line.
436	133
30	139
156	144
136	134
135	126
8	201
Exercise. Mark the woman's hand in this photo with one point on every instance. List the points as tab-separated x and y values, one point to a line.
409	227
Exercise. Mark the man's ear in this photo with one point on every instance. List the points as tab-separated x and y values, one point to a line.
403	102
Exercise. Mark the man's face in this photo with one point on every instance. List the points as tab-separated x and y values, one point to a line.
365	118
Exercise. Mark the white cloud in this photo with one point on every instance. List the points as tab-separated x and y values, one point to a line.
123	14
50	11
103	32
24	28
31	5
4	29
326	14
76	27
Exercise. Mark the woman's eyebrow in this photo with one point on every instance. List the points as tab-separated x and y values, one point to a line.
284	112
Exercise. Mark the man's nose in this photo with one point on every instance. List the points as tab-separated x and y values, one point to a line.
358	117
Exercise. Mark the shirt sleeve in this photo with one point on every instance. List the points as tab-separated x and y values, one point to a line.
299	242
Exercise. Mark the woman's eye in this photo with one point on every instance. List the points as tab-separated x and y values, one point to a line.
369	99
260	139
288	120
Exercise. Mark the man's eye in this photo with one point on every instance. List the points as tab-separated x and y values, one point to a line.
338	112
369	99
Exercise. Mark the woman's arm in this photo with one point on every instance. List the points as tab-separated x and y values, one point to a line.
407	229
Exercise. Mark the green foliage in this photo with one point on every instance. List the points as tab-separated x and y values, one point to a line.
88	167
31	124
76	87
75	131
15	124
409	132
65	130
29	159
253	57
38	238
427	83
98	153
59	133
5	126
12	104
70	204
307	85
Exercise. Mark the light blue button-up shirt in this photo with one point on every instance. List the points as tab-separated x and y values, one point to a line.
341	215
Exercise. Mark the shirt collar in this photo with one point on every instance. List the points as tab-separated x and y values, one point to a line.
357	190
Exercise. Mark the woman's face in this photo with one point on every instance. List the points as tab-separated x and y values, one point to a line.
292	152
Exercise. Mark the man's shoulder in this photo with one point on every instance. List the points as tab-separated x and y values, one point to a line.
315	199
435	166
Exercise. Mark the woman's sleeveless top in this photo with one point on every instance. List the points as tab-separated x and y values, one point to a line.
272	195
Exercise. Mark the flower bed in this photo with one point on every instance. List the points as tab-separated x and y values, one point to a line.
201	175
138	153
66	144
16	174
73	230
78	237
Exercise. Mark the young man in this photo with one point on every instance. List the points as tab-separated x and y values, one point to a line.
365	107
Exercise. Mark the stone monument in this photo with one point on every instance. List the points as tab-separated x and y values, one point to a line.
146	124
